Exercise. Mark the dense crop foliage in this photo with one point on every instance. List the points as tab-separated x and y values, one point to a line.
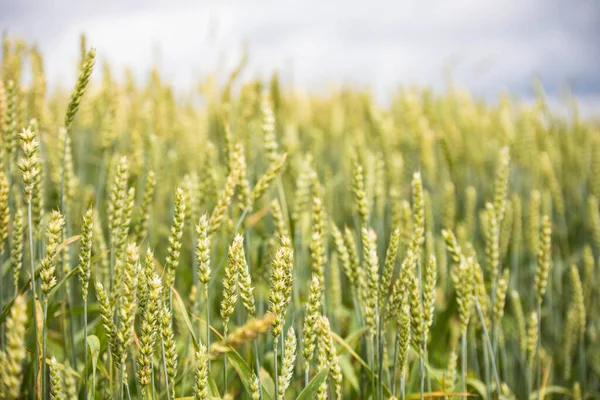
242	240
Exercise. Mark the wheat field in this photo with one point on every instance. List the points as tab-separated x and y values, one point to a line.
243	239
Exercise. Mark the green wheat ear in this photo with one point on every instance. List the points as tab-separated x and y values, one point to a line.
201	389
281	281
328	355
203	250
543	259
532	337
16	244
149	331
56	380
311	316
54	232
12	357
170	352
287	367
230	284
358	187
404	334
85	251
80	87
244	281
175	241
317	241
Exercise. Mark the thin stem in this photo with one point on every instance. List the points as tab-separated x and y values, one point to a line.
486	372
306	374
380	356
275	372
44	329
463	360
162	344
489	344
402	386
71	325
225	367
371	350
85	351
257	361
582	363
33	286
394	366
207	320
121	380
422	371
538	348
153	388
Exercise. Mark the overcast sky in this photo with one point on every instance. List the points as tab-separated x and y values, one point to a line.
491	45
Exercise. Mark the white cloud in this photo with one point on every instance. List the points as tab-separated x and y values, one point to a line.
492	45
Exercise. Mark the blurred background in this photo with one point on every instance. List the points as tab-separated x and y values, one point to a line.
489	46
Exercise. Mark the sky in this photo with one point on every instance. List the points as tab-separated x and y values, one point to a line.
491	46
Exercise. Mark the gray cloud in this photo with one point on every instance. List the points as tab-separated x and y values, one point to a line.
491	45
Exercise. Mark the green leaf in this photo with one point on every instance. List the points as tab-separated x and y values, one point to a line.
353	337
6	309
348	348
267	383
348	372
37	270
105	372
310	391
91	327
56	287
213	387
243	371
478	386
94	347
6	266
179	303
433	395
436	373
551	390
93	344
